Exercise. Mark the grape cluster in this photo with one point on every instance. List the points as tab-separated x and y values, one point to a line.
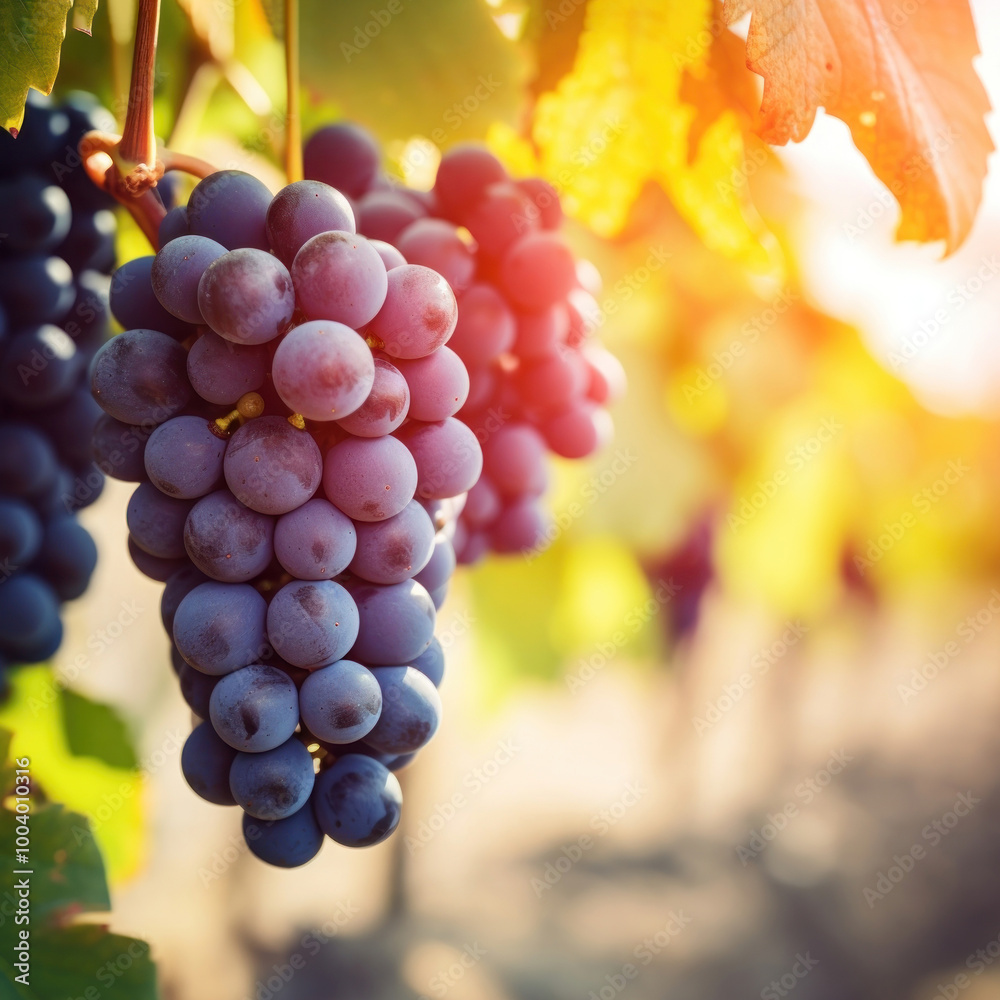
539	382
57	236
283	396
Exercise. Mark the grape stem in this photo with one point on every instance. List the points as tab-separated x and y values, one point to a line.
138	141
293	120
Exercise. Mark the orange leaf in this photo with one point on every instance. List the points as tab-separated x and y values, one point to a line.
902	81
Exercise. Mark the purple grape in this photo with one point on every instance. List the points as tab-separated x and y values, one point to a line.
246	296
464	174
447	454
483	501
155	568
230	206
140	377
134	304
431	663
221	371
156	522
419	314
383	215
370	479
39	367
541	333
323	370
504	214
340	703
339	276
411	710
28	463
205	762
176	272
178	587
440	567
438	384
545	198
436	244
312	622
514	459
344	156
537	271
315	541
219	627
184	458
357	801
119	449
579	431
67	557
385	407
395	549
391	257
226	540
273	784
285	843
255	708
36	288
304	210
271	466
520	527
396	622
196	689
174	224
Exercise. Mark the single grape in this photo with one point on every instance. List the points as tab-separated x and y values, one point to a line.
395	549
385	407
440	567
271	466
312	622
30	629
246	296
284	843
537	271
178	587
155	568
304	210
541	333
67	557
196	689
370	479
230	207
383	215
176	272
39	367
273	784
90	242
323	370
28	463
357	801
344	156
206	762
140	376
174	224
486	326
411	710
520	527
483	502
89	320
120	449
183	458
464	174
447	455
579	431
255	708
545	198
156	522
315	541
438	384
396	622
226	540
135	305
419	313
35	288
514	459
437	244
339	276
391	257
503	215
220	627
340	703
431	663
20	534
34	215
70	423
221	371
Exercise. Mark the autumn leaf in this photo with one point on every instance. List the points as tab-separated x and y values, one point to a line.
903	82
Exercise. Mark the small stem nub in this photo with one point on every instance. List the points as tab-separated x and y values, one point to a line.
249	405
298	421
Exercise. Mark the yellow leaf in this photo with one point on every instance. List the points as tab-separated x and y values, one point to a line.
617	121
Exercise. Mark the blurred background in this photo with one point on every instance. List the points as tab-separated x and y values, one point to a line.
734	731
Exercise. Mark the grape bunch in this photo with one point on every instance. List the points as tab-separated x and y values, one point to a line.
539	382
57	235
283	396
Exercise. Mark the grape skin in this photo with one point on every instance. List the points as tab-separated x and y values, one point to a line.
226	540
312	623
340	703
255	708
385	407
315	541
358	801
220	627
411	710
370	479
273	784
183	458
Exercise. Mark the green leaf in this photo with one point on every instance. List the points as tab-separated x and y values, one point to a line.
68	962
96	730
30	43
407	67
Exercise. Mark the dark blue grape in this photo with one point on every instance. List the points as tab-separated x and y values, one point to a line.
67	557
174	224
156	522
274	784
230	207
196	688
312	622
219	627
20	535
36	289
90	242
431	662
255	708
134	304
30	629
39	367
227	541
157	569
178	587
119	449
440	567
34	214
27	461
396	622
206	761
285	843
357	801
411	710
340	703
